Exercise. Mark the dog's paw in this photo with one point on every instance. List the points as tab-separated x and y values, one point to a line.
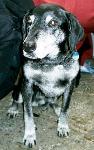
29	140
63	130
12	112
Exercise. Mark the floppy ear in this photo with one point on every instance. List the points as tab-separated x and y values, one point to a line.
76	31
24	27
26	24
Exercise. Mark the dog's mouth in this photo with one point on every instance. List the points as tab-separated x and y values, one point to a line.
29	55
33	56
41	51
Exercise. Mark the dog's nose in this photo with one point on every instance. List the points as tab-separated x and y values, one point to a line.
30	46
25	45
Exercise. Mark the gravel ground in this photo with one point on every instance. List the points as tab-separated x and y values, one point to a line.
81	122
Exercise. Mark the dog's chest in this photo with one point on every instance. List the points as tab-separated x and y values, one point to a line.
51	81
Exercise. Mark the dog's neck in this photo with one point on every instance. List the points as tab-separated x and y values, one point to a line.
66	60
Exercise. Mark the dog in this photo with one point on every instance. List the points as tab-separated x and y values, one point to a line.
51	65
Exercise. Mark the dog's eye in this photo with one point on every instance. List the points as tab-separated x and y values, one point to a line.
53	23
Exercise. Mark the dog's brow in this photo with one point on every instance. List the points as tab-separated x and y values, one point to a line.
32	18
48	18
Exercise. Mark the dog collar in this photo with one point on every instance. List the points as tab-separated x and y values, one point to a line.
67	61
75	55
70	58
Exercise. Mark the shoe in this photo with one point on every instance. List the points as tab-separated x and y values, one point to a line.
87	67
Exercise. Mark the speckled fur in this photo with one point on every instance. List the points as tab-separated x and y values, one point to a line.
50	35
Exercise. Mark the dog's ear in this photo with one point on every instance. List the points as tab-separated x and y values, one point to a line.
26	24
24	27
75	30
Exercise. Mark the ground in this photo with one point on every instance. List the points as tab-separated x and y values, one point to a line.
81	122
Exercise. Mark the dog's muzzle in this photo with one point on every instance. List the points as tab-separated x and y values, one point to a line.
29	47
28	50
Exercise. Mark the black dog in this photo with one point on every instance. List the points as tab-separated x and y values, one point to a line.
50	65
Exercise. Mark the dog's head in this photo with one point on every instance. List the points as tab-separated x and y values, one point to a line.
49	30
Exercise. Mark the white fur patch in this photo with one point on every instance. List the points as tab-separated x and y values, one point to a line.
31	18
47	45
29	135
30	72
48	18
49	78
63	128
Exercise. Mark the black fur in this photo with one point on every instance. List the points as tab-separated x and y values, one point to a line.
46	77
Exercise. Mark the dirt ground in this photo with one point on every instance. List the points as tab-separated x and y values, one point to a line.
81	122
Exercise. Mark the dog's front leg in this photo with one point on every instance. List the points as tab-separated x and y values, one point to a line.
29	135
63	128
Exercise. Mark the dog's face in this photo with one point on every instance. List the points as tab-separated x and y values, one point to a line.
49	30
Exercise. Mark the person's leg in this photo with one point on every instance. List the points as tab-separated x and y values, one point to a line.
10	40
11	14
